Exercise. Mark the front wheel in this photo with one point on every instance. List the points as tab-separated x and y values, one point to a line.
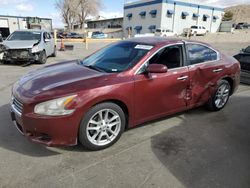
42	58
220	97
102	126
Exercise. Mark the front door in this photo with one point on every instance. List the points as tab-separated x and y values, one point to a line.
159	94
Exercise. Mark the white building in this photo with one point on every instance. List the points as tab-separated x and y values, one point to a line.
8	24
145	16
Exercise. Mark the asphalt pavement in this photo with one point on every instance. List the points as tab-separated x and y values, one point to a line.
193	149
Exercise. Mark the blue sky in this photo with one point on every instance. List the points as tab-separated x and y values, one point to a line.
46	8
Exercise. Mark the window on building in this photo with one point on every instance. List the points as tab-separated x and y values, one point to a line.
184	15
170	13
153	13
152	28
215	18
195	16
129	16
143	14
198	54
138	29
205	17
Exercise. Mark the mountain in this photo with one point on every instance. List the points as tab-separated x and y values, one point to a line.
241	13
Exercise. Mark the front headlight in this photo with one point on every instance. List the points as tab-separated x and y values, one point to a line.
35	49
56	107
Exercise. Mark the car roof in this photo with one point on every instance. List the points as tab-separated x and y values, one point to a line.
31	30
158	41
154	40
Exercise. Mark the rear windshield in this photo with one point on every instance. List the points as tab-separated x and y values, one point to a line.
117	57
158	30
24	35
194	27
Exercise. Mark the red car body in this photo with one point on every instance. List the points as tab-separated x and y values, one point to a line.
142	97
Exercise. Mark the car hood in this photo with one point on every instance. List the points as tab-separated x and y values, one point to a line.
17	44
66	76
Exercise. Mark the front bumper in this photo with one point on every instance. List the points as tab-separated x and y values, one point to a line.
49	131
19	55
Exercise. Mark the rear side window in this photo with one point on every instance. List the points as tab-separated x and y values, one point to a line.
198	54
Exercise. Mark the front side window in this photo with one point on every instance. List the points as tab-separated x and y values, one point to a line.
117	57
198	54
170	56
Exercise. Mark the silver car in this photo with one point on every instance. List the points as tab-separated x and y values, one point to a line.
28	46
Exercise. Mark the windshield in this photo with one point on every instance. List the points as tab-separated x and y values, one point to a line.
24	35
117	57
194	27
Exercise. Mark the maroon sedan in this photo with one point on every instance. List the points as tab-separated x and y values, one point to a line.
125	84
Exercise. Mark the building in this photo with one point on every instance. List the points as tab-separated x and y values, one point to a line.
145	16
110	23
8	24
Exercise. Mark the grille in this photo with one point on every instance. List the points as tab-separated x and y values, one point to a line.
17	105
18	53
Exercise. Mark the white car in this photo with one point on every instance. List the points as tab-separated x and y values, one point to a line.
164	32
195	30
28	46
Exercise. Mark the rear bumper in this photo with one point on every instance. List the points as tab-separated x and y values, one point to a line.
49	131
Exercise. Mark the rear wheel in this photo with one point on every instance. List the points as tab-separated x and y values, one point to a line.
42	57
102	126
220	97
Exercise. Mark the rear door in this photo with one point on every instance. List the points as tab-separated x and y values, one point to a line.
205	69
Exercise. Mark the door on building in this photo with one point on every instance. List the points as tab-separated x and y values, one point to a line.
4	28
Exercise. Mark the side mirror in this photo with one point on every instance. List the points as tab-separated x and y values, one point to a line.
47	40
157	68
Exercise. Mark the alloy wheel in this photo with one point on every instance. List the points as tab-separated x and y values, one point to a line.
103	127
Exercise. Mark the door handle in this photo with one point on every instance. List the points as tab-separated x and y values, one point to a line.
217	70
182	78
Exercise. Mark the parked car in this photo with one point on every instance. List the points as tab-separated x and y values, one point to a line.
61	35
120	86
195	30
75	35
244	58
99	35
145	35
164	32
242	25
28	46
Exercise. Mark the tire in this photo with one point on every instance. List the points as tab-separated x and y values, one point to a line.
95	134
42	57
54	53
221	96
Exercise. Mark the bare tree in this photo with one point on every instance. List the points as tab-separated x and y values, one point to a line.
66	7
86	8
73	11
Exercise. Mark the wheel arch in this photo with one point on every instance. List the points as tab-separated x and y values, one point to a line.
231	82
122	105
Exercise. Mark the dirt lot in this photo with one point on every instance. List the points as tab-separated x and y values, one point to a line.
193	149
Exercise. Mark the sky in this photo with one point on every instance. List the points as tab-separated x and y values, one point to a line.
111	8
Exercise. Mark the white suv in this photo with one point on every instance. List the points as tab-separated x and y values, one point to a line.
164	32
195	30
